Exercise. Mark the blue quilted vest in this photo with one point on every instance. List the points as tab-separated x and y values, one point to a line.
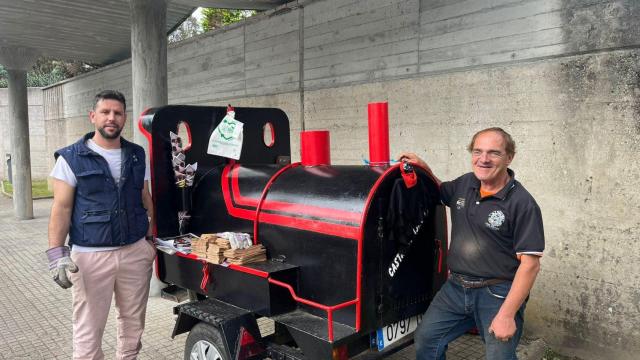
106	213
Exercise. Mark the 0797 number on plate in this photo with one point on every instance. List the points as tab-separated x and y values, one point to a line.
391	333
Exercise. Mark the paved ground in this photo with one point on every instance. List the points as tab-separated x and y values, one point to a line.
35	315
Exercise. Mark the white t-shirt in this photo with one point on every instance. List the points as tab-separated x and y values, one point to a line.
62	171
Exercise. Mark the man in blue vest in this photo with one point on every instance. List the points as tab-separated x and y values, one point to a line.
497	240
102	202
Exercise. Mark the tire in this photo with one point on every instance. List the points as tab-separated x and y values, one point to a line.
205	343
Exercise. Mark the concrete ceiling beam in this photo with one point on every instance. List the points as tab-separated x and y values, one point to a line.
85	30
234	4
18	58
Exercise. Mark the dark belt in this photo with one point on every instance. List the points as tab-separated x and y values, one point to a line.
475	284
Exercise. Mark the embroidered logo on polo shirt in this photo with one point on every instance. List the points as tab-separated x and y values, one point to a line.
460	203
495	220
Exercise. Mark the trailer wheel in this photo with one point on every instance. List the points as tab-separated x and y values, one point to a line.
204	343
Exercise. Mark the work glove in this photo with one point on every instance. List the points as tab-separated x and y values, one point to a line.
60	265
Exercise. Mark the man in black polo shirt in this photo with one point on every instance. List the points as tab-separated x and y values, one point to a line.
497	240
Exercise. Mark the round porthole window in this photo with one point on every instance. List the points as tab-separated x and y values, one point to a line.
268	135
185	135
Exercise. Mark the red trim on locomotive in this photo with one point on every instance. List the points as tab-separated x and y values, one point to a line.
186	147
327	228
328	308
367	203
309	210
273	178
153	199
226	194
337	230
248	270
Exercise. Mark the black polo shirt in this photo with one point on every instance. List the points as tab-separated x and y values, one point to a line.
487	233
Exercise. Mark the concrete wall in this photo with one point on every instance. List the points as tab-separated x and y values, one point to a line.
39	166
577	127
561	75
66	106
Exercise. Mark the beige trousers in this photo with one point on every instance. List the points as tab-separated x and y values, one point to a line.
122	274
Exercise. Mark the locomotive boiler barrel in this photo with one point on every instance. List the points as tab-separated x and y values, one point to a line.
335	224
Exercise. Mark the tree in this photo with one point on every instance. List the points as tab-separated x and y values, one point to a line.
189	28
216	18
206	19
3	77
47	71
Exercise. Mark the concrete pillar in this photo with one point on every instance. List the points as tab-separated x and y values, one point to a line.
148	58
20	149
17	61
149	70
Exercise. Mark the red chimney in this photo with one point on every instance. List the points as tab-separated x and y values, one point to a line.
314	148
379	134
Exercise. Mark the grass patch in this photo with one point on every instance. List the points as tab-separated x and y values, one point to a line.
39	188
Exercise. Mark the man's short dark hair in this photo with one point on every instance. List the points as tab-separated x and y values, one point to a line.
110	94
509	143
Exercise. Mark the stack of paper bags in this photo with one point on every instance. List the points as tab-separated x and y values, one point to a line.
199	247
215	252
223	243
254	253
210	238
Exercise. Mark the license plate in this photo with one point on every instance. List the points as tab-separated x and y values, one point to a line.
391	333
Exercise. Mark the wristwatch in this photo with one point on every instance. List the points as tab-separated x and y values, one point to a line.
148	237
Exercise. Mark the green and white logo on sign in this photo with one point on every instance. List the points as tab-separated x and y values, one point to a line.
227	129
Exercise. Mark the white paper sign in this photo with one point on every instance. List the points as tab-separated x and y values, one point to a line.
226	139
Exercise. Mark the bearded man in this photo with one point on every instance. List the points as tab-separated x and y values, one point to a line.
102	202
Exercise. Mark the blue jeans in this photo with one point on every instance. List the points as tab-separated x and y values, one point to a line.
455	310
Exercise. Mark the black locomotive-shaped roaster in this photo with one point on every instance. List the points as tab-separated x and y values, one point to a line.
351	249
